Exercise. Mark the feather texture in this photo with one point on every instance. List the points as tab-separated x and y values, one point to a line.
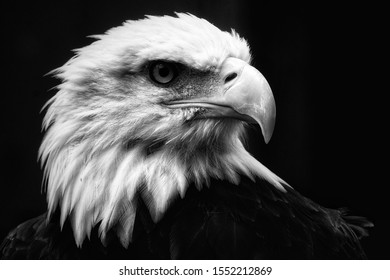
102	123
251	221
127	177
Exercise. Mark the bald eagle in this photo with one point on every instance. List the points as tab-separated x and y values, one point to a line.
144	158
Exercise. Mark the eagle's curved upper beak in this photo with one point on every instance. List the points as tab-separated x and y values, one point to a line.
246	95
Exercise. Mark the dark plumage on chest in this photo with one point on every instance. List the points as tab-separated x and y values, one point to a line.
223	221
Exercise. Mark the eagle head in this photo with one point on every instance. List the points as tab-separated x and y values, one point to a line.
149	108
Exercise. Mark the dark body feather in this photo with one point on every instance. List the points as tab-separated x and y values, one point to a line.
223	221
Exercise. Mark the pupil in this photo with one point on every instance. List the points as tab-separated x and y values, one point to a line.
163	71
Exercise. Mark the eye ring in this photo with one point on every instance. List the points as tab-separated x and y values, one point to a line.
162	72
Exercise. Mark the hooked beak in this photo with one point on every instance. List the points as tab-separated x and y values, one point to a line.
246	95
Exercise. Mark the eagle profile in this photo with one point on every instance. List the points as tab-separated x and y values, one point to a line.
143	157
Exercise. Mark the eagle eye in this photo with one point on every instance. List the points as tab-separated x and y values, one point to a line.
162	72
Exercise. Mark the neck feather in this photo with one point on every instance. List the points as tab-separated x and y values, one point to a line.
105	187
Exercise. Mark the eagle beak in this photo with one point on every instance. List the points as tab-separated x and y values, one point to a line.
246	95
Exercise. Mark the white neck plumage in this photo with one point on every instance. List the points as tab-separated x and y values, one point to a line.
103	187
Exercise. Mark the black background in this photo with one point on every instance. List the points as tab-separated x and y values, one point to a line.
324	63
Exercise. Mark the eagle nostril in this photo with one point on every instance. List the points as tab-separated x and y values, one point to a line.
230	77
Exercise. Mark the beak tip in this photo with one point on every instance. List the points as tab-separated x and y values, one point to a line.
267	126
267	137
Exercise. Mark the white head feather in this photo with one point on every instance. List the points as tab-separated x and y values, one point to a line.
102	122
